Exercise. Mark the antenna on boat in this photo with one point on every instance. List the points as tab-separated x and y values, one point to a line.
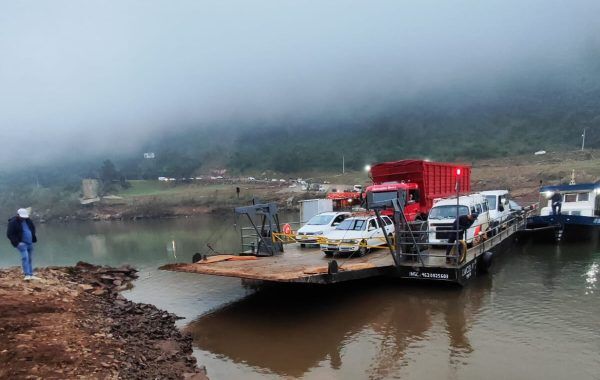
572	178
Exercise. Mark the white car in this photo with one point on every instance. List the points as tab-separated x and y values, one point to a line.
319	225
357	234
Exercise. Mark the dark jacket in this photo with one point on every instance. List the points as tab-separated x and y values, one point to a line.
463	223
14	231
556	198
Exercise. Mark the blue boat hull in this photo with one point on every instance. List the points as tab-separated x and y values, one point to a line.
564	227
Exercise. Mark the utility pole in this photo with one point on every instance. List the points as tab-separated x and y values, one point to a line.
583	139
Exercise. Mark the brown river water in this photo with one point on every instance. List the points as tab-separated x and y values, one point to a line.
536	316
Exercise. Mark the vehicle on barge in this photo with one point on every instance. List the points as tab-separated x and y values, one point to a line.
319	225
357	235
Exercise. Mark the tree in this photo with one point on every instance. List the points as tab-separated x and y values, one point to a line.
109	176
108	172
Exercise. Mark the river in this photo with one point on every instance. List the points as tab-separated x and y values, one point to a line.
536	316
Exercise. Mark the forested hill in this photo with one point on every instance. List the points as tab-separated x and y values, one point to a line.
522	116
498	118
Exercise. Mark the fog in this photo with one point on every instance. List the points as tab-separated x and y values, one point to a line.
81	78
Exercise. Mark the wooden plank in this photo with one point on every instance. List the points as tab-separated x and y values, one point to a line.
215	259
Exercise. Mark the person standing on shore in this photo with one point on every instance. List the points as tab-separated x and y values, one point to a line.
21	233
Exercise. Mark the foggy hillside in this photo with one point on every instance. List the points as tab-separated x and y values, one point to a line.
289	86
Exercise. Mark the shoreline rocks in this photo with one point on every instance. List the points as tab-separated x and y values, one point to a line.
75	323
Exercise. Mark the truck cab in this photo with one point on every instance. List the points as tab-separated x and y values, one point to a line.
423	181
391	190
498	204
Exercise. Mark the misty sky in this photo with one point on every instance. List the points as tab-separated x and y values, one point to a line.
104	76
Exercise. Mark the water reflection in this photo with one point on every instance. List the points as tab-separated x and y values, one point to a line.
97	245
289	331
540	302
591	278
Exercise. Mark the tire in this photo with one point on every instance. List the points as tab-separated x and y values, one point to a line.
485	262
328	253
302	245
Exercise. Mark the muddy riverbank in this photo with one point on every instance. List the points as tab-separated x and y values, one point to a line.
74	323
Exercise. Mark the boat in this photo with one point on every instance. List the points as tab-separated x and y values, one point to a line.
579	217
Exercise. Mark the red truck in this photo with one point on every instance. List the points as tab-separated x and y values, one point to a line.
423	181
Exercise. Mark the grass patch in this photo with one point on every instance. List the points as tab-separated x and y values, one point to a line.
143	188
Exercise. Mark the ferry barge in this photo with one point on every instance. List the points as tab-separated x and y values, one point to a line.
269	262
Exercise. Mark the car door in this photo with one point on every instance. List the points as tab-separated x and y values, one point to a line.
503	200
389	225
374	234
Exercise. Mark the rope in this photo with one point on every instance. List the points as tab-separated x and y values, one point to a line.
207	241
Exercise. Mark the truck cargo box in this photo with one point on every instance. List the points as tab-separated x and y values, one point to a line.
312	207
435	179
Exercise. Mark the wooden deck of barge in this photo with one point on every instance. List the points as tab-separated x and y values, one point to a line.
304	265
309	265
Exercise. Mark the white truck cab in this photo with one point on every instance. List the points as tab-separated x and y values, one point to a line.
498	204
443	214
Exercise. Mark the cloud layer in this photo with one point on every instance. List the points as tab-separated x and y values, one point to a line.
106	76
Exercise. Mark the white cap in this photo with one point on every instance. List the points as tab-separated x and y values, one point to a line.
23	213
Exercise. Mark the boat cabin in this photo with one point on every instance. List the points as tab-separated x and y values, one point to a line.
581	199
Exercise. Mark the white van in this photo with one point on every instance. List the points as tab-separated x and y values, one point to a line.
443	214
498	204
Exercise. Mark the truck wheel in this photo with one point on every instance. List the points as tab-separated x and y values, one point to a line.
328	253
302	245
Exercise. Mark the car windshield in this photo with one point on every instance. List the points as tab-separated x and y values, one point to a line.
384	196
352	225
491	199
320	220
447	212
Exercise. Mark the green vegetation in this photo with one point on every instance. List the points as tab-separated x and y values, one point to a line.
174	191
493	120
